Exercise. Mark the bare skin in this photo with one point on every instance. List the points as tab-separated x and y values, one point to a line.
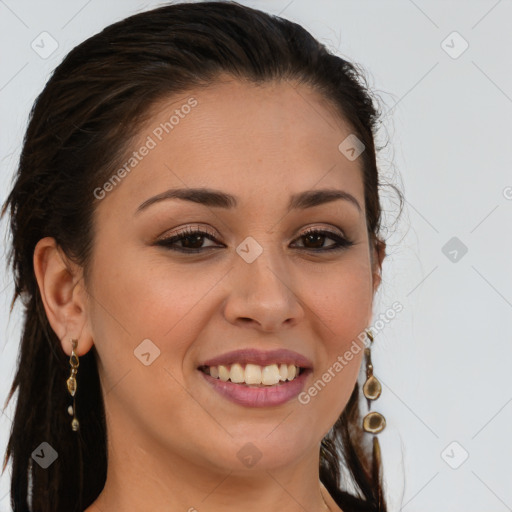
173	440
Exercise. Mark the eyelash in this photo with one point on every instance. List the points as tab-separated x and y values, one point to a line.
341	242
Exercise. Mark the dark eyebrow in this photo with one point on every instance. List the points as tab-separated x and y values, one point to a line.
216	198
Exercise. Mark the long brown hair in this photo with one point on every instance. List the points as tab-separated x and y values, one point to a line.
80	127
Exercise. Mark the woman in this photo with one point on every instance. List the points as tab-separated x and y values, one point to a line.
195	225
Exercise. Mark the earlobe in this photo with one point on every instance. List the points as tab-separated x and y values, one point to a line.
61	287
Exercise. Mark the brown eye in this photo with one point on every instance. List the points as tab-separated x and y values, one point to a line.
314	240
191	240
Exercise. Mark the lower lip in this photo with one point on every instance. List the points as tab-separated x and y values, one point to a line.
259	397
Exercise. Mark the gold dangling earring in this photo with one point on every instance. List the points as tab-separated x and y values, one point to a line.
71	383
373	422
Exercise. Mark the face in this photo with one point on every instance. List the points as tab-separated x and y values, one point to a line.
258	277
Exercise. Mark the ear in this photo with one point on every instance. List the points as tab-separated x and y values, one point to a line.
378	254
63	294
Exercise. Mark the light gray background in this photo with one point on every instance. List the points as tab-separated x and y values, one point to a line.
445	359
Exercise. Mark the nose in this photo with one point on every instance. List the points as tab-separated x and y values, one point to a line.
262	295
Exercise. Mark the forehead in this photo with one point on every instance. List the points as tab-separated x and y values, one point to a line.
241	137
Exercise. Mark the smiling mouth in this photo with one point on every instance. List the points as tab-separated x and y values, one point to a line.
253	375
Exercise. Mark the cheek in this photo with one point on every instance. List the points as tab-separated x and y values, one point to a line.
144	293
134	301
341	310
341	302
341	297
159	300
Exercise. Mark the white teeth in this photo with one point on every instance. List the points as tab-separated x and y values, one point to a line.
223	373
254	374
236	373
270	375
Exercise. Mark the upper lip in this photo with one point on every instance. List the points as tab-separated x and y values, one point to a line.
260	357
